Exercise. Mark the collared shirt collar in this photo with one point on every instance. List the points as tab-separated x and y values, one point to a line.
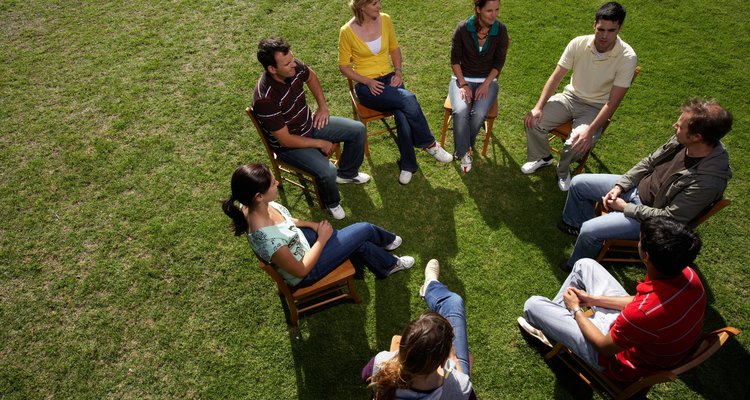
616	50
494	29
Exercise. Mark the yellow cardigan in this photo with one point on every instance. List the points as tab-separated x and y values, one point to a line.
353	51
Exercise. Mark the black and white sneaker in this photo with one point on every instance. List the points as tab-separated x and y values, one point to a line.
359	179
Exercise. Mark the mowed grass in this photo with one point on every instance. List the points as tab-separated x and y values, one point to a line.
121	123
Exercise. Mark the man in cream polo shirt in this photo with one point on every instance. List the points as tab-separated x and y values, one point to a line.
603	66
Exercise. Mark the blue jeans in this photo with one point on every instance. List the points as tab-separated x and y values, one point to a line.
468	118
363	240
585	191
411	124
554	319
352	134
451	306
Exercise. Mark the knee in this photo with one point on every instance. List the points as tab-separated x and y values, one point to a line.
577	182
360	129
328	174
589	231
460	110
532	305
454	302
409	100
585	265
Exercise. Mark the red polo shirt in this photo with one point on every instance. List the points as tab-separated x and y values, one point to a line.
278	104
659	328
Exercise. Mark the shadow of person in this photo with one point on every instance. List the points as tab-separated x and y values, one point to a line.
526	205
334	338
725	375
425	214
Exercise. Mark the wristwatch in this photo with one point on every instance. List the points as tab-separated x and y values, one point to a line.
573	312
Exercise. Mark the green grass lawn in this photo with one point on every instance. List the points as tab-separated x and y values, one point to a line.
120	126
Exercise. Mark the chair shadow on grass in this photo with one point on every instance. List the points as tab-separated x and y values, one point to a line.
333	337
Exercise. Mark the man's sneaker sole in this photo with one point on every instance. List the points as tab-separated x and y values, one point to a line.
535	333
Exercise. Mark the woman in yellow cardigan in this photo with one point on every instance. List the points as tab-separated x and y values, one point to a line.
369	54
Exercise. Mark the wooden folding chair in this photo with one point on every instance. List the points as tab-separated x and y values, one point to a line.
622	250
337	285
602	384
366	115
281	170
488	122
563	131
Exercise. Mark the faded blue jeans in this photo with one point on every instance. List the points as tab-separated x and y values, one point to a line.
363	240
411	124
468	118
451	306
352	134
585	191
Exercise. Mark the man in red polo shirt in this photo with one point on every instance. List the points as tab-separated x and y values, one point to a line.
629	336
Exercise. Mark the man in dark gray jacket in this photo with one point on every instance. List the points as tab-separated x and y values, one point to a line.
678	180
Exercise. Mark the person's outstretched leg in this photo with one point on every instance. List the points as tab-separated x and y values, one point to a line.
451	306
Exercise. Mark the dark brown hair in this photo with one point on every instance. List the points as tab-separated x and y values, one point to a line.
247	181
425	345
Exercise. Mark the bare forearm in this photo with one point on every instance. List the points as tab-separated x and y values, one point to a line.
611	302
313	83
592	334
396	58
312	256
348	72
550	86
459	74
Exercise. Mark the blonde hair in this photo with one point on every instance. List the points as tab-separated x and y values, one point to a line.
425	345
357	6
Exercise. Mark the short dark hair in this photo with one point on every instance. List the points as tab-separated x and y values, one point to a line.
708	118
267	49
671	245
611	11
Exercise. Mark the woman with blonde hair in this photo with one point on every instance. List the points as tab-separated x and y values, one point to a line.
369	54
303	252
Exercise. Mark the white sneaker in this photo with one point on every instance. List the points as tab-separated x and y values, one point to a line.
359	179
536	333
439	153
564	183
402	263
531	166
431	273
337	212
405	177
394	245
466	163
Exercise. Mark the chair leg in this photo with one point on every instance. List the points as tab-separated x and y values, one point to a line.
352	292
603	251
293	313
582	163
446	121
555	350
367	141
488	134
